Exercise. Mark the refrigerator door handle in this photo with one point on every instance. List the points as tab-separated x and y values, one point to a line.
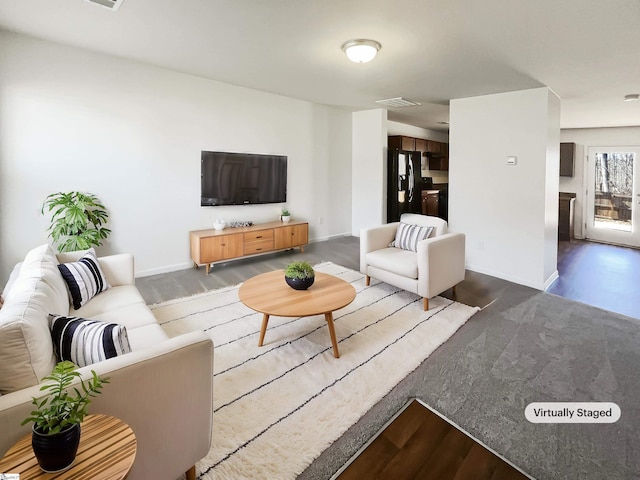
410	186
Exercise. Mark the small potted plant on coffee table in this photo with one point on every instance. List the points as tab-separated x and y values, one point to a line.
299	275
56	420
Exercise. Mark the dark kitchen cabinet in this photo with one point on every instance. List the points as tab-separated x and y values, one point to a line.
566	208
439	163
444	149
567	159
430	202
400	142
434	147
436	153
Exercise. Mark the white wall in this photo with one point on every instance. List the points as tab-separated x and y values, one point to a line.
508	213
132	134
369	169
585	138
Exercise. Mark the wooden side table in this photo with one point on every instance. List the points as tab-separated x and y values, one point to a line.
106	452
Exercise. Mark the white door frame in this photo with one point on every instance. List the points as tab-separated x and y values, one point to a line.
607	235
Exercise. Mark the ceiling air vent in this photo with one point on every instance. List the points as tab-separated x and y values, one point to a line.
398	102
110	4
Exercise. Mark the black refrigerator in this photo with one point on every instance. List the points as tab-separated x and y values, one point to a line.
404	184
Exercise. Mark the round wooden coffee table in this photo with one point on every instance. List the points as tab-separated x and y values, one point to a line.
269	294
106	452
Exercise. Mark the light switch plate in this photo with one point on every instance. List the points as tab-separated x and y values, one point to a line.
511	160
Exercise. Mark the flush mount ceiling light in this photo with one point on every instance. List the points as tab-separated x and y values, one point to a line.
361	50
632	97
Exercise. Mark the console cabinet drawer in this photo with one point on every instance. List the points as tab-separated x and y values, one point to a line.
258	236
258	246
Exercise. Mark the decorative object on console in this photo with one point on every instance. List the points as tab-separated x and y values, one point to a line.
241	223
299	275
285	216
219	224
77	221
57	418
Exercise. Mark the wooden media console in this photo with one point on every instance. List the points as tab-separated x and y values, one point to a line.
210	246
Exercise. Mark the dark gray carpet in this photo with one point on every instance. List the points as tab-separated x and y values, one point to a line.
527	346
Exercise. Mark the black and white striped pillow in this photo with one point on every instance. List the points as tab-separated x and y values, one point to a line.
84	278
85	342
408	236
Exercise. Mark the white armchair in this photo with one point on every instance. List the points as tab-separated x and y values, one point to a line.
435	266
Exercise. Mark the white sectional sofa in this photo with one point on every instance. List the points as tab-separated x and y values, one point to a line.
163	388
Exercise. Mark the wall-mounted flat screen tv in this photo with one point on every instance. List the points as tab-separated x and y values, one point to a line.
242	178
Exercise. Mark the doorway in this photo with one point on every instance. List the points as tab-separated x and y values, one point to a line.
612	195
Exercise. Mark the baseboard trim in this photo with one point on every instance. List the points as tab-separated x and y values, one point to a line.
510	278
183	266
554	276
166	269
329	237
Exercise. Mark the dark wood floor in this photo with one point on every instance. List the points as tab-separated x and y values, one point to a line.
605	276
419	444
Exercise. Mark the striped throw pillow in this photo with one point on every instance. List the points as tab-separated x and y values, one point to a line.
85	342
84	278
408	236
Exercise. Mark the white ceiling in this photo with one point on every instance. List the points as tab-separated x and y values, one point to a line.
432	50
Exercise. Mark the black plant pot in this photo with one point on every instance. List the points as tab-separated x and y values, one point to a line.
56	452
300	283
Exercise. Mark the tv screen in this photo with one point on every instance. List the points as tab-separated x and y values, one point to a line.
242	178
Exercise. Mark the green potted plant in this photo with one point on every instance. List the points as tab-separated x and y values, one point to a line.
299	275
77	220
56	420
285	215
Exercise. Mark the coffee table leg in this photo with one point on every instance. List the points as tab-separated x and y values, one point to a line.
332	333
263	329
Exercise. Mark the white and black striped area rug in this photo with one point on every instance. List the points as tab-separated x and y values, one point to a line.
277	407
